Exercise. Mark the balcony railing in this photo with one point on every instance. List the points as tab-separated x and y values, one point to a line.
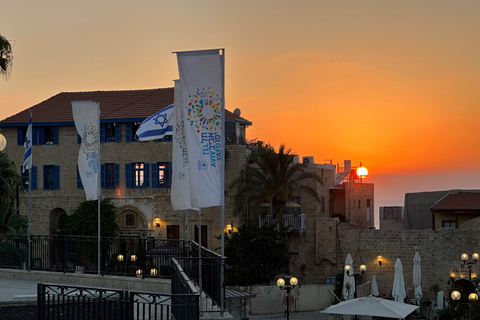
291	221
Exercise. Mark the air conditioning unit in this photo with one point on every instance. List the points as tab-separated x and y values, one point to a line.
308	159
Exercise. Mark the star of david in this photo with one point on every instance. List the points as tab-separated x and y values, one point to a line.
161	119
27	143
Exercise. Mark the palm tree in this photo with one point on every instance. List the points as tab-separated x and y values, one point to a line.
6	57
10	181
272	178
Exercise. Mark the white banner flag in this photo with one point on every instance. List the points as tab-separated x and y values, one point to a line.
156	126
201	79
86	115
27	144
180	195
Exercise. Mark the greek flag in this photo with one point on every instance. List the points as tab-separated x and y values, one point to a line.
156	126
27	144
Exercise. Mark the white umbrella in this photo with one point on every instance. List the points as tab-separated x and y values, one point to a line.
348	290
417	277
374	287
371	306
398	291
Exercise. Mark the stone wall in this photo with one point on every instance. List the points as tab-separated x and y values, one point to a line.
439	250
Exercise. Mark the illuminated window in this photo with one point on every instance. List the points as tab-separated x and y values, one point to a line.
137	175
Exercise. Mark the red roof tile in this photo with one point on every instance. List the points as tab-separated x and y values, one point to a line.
125	104
459	200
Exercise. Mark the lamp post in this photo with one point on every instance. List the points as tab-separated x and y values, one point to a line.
469	264
348	268
472	297
285	282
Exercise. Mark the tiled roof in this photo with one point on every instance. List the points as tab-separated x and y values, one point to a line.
114	105
459	201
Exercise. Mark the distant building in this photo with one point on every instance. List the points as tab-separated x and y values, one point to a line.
440	209
391	217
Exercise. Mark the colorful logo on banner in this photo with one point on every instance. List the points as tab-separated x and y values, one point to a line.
205	114
89	147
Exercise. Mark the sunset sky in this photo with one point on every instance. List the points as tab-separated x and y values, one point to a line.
392	84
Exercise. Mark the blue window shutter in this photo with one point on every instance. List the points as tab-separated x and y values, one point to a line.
118	137
79	139
128	131
128	174
79	180
20	137
55	135
34	177
34	135
104	175
154	175
41	136
117	175
56	177
169	178
146	175
102	133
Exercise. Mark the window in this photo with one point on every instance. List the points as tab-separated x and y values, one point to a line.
450	224
204	235
110	132
137	174
25	177
22	134
130	220
173	231
51	177
161	172
110	175
48	135
131	130
368	203
359	203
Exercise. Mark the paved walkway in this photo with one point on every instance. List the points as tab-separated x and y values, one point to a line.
305	315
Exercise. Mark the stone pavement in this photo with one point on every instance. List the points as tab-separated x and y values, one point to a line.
304	315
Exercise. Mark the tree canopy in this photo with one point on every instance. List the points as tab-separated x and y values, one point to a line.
272	178
84	221
10	181
6	56
255	255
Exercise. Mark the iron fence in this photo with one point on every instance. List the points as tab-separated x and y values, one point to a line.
146	257
58	302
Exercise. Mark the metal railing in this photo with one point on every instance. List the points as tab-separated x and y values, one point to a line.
120	256
291	221
59	302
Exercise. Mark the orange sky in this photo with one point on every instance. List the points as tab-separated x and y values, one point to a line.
392	84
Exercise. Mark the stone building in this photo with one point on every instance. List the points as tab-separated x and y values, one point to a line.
135	175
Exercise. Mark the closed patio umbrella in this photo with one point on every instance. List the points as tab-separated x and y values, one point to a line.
417	277
348	291
398	291
374	287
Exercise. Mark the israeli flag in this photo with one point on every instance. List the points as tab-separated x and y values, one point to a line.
27	144
156	126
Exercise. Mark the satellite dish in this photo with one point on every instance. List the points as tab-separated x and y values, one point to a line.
3	142
237	112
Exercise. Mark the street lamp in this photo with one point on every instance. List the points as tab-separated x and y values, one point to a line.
348	268
472	297
469	264
285	282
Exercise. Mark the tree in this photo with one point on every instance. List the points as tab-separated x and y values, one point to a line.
6	56
255	255
274	178
10	181
84	221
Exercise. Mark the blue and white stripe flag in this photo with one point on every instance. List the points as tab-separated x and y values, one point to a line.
27	144
156	126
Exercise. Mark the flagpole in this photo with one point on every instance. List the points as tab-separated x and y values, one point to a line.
99	196
29	233
222	184
200	249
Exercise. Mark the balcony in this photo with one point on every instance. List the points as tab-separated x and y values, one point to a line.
292	222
